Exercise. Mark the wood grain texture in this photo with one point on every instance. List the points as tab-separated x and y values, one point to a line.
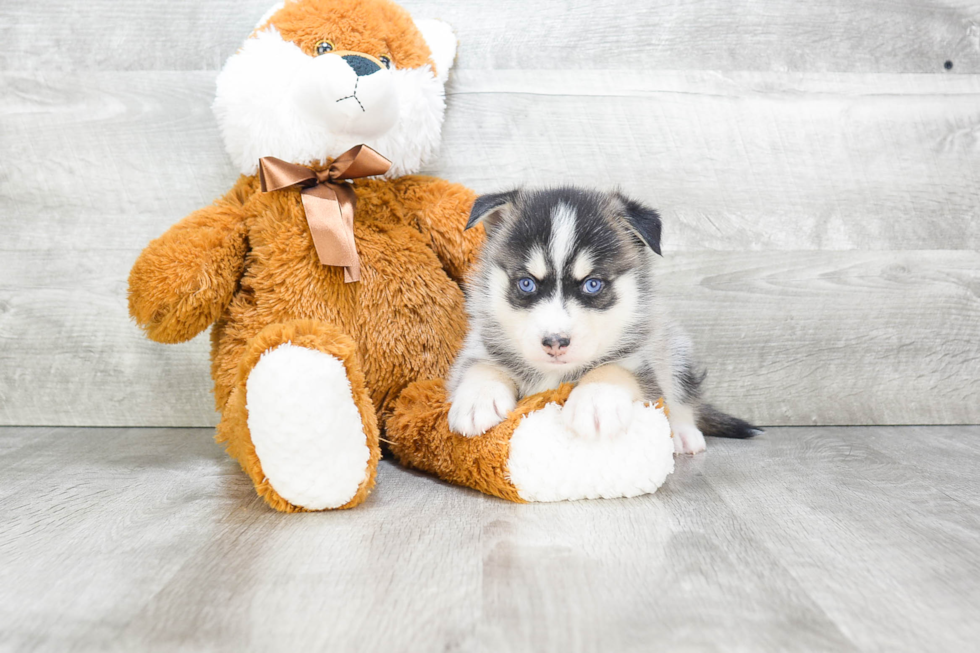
106	161
885	481
788	338
834	337
94	165
738	161
735	162
775	35
807	539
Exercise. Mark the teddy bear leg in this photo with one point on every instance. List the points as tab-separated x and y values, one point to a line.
419	437
300	420
532	455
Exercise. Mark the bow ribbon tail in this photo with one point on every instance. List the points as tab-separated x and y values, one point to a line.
330	214
352	272
328	201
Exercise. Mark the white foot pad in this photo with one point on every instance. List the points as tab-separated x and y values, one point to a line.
688	439
548	462
305	426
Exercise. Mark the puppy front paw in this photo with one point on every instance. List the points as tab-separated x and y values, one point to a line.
479	406
598	410
688	438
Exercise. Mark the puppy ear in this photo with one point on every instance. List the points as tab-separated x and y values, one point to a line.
442	42
644	222
489	209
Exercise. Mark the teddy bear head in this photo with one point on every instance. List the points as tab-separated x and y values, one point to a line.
317	77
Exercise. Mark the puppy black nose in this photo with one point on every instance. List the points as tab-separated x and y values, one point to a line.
555	343
361	65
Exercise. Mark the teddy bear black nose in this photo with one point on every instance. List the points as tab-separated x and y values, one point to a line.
361	65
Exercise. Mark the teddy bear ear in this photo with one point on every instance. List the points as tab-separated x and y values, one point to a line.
439	37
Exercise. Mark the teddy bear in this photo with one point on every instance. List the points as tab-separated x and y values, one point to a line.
331	273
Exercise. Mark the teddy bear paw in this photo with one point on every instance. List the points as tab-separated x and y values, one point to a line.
549	461
306	428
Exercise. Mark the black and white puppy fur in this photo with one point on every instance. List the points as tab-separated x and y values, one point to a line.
564	293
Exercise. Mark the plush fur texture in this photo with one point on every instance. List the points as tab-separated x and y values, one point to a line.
549	461
253	265
419	437
278	97
312	462
233	429
531	455
312	364
247	264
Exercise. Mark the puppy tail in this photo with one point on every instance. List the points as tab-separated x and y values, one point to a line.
715	423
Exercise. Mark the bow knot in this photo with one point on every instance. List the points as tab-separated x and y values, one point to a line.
328	200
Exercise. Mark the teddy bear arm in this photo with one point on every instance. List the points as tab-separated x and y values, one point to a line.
184	279
441	209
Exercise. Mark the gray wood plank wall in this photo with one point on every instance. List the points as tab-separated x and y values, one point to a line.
817	165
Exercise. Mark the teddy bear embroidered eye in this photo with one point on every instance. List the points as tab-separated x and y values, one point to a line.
330	272
317	78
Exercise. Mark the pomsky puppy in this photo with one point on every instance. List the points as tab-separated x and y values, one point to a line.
563	293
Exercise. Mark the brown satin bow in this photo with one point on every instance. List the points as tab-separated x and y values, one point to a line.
329	202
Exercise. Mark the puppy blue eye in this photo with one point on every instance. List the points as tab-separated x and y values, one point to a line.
527	285
591	286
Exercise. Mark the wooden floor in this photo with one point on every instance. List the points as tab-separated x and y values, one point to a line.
808	539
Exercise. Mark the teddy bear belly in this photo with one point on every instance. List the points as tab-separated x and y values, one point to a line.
406	315
413	318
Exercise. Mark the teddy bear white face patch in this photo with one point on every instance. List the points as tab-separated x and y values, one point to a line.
276	97
354	93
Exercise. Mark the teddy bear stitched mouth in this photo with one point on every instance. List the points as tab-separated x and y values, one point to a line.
353	96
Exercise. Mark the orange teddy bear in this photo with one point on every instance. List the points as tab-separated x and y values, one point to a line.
328	299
